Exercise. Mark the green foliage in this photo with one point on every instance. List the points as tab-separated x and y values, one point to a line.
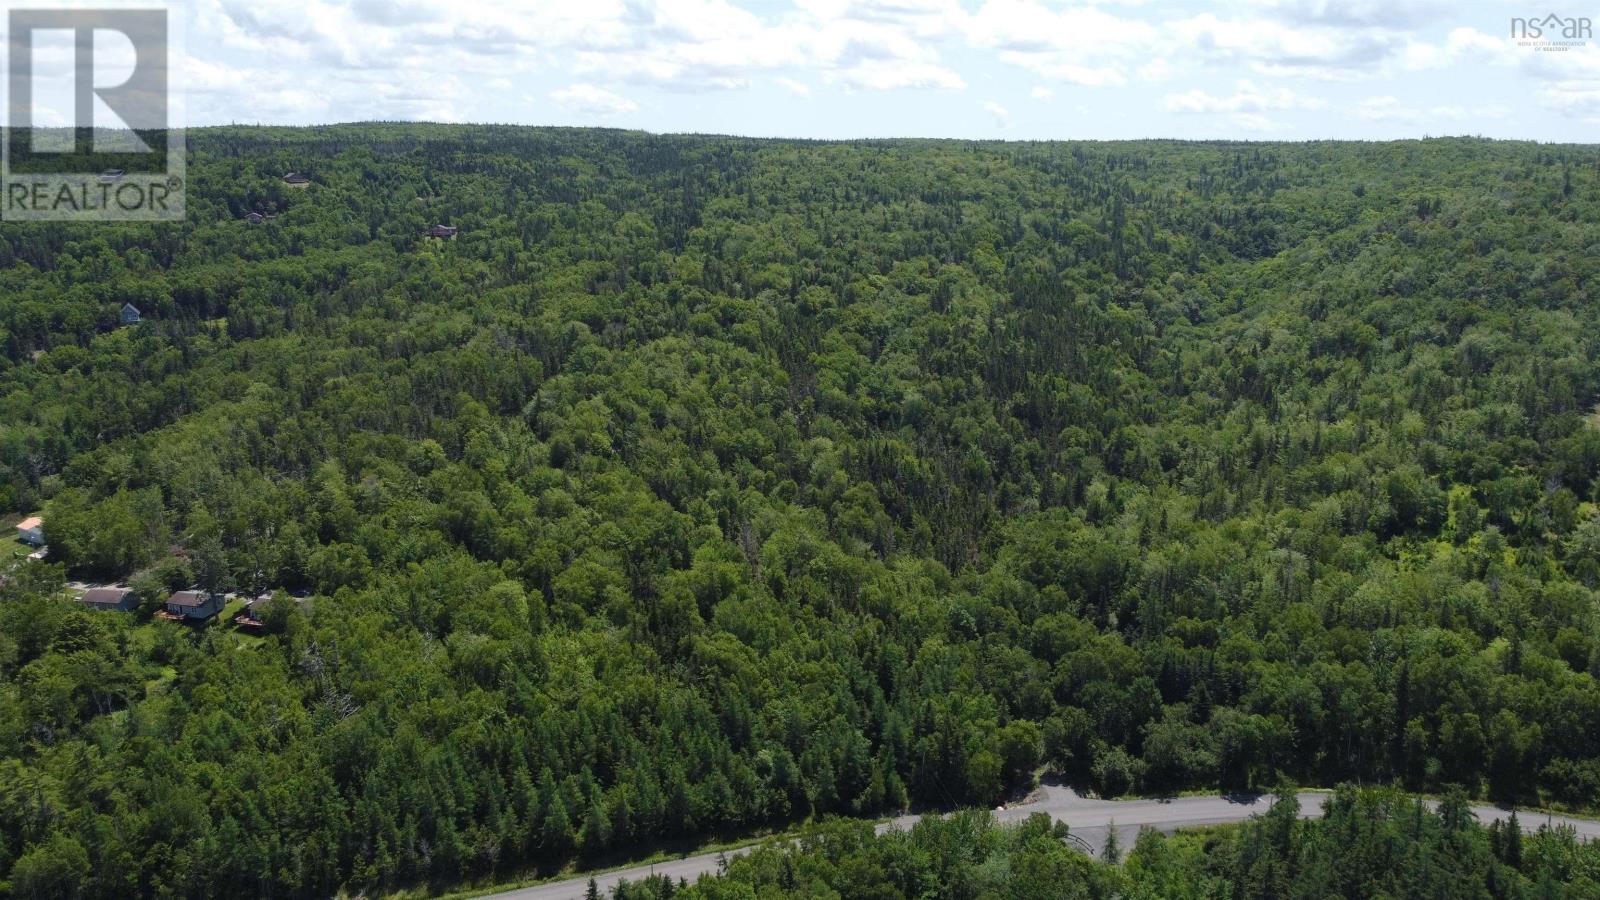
703	484
1369	844
56	869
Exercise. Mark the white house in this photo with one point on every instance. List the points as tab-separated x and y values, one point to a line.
31	531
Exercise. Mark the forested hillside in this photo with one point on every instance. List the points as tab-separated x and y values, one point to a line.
702	485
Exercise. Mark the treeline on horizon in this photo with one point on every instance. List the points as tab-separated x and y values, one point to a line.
702	486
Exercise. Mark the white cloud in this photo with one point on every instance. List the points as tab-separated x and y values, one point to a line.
693	45
1576	65
1001	115
1577	99
920	18
673	45
1245	108
1058	67
1381	13
1462	45
1028	26
868	48
332	60
690	45
888	75
1284	50
1255	122
1454	113
1092	46
225	92
1567	83
1078	45
1160	69
1379	109
592	101
1387	108
1248	98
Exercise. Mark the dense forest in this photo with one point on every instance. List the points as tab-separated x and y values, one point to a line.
707	485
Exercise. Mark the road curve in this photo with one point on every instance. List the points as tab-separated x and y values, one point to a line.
1090	821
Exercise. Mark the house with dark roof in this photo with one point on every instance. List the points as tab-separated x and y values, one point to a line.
296	180
253	611
30	531
193	605
445	232
129	314
115	598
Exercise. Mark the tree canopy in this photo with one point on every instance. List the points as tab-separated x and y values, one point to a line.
705	485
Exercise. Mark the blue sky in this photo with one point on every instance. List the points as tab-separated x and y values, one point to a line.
1012	69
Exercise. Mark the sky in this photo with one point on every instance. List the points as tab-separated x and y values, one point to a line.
994	69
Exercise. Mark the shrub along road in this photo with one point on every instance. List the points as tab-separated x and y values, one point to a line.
1090	821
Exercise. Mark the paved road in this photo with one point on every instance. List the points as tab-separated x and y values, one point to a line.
1089	820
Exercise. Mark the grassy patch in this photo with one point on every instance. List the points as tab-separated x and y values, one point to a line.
243	637
161	682
11	548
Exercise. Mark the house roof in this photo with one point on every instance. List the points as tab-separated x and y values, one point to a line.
188	598
106	594
30	522
296	178
128	306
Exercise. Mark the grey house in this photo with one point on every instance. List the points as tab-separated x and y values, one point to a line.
119	599
130	314
194	604
30	531
253	610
